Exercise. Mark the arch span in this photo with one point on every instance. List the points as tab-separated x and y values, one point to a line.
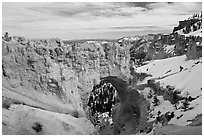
120	85
130	113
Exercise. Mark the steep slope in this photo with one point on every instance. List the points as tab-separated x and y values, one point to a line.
57	78
38	92
187	82
25	120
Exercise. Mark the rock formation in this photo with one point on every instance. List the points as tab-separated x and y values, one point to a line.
55	77
46	83
130	114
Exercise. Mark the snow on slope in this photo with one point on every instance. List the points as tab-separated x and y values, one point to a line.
189	80
194	33
20	120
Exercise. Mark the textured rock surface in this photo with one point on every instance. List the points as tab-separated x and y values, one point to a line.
58	78
160	46
55	78
193	23
26	69
91	61
130	115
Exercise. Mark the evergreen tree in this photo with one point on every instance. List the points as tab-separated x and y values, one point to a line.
194	27
184	30
6	37
156	101
150	94
185	104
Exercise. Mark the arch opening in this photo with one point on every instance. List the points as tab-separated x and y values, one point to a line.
125	115
102	99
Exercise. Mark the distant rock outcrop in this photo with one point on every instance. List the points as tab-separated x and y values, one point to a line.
189	25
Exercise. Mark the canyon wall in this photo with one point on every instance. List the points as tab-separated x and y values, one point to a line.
58	77
49	75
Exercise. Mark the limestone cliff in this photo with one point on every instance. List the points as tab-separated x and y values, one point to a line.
56	77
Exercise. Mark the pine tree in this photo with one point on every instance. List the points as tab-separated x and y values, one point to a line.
150	94
156	101
194	27
185	104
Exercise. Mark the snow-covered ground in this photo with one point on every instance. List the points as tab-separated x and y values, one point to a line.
188	81
195	33
22	119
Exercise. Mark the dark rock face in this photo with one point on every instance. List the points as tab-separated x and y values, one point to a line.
194	50
130	114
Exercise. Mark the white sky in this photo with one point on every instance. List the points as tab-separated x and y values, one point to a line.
93	20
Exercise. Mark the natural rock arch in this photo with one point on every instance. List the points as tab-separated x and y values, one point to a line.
130	113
